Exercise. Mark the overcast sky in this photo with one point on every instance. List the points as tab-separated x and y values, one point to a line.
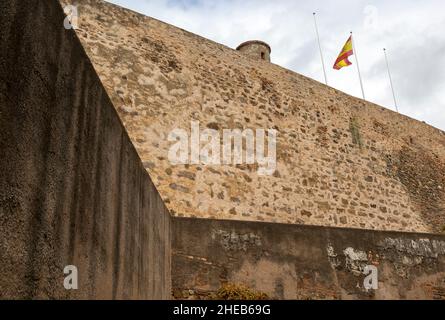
411	30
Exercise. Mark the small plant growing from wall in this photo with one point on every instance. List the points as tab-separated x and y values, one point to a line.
354	127
232	291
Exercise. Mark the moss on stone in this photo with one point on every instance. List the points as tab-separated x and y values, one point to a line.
233	291
354	127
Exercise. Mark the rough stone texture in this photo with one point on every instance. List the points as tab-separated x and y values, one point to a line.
341	161
73	190
304	262
255	49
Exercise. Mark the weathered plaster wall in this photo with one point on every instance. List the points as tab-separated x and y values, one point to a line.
73	190
304	262
341	161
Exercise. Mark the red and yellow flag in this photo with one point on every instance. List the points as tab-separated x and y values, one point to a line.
342	60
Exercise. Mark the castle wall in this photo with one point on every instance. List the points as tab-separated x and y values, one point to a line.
303	262
341	161
73	190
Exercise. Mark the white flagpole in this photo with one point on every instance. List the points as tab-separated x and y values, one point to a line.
321	51
390	81
358	67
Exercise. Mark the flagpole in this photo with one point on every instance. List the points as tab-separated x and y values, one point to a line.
390	81
358	67
321	51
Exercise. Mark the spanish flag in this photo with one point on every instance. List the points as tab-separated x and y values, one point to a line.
342	60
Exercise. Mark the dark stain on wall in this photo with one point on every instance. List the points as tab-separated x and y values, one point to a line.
73	190
423	175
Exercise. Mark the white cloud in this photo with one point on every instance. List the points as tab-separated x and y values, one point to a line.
412	31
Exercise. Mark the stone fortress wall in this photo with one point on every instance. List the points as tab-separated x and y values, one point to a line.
341	161
74	191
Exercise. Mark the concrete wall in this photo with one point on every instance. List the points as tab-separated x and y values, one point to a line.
303	262
73	190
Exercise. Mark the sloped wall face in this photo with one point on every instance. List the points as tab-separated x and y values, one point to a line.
73	190
340	161
303	262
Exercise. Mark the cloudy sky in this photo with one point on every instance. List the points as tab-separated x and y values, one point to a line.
411	31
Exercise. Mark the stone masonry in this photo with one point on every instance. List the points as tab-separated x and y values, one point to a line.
341	161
